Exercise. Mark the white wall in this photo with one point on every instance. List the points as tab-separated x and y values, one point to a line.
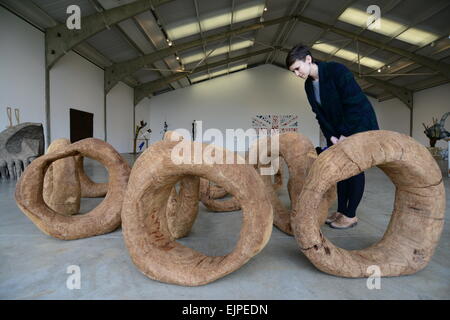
143	112
119	117
392	115
433	102
75	83
231	102
22	70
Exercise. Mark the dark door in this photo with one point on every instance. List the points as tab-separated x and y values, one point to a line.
81	125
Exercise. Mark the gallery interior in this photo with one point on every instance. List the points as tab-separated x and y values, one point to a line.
226	149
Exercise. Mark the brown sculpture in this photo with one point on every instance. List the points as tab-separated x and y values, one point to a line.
182	206
144	224
417	220
103	219
210	193
214	204
89	188
211	190
62	190
299	154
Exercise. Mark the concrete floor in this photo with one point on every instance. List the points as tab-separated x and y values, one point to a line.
34	266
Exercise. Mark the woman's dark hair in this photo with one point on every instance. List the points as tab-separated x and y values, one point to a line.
299	52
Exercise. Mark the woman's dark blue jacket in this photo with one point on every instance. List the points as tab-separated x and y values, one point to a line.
345	109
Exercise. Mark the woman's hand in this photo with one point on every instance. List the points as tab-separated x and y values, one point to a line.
335	140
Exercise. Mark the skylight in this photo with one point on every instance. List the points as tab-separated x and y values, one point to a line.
217	73
215	20
389	27
238	45
348	55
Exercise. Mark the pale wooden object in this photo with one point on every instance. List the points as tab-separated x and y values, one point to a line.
89	188
299	154
62	190
103	219
182	206
417	219
144	224
210	194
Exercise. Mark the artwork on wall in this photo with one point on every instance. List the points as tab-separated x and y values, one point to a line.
284	123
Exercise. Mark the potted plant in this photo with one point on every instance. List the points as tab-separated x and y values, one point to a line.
436	132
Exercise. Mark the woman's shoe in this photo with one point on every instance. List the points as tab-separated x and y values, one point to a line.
344	222
333	217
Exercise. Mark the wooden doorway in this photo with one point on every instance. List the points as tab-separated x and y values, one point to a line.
81	125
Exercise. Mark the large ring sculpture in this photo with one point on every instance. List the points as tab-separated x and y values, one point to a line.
299	154
103	219
417	219
144	224
62	190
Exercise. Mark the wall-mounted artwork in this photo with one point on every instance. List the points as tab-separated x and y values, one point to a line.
284	123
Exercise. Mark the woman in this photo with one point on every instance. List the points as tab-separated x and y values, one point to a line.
341	109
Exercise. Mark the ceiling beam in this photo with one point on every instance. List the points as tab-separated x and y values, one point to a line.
390	6
144	90
428	13
59	39
396	69
440	67
118	71
405	95
284	29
